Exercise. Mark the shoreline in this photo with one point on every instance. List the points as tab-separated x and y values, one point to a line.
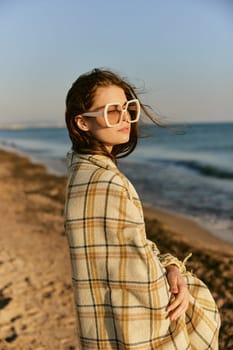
175	222
36	298
172	220
188	230
58	169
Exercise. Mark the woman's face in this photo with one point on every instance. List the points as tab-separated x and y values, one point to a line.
96	125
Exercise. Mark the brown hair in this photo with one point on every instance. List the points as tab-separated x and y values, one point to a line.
79	100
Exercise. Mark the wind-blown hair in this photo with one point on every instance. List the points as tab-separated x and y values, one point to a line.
80	99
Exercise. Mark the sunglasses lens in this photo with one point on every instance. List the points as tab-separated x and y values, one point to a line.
114	114
133	110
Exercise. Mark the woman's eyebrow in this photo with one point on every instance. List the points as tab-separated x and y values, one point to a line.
97	108
101	107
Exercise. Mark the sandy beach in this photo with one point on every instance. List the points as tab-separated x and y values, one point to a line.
36	299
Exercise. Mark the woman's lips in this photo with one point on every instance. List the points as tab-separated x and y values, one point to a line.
125	130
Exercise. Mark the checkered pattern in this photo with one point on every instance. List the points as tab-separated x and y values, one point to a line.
119	280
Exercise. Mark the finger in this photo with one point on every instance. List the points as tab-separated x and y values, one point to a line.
174	288
174	313
178	311
178	299
173	284
174	305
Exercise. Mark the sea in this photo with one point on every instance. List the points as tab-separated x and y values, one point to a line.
183	169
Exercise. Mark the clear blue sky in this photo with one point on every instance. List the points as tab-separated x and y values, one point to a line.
180	50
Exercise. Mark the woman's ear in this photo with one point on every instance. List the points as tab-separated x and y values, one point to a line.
81	123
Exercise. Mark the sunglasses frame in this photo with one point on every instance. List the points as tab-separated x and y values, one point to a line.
105	115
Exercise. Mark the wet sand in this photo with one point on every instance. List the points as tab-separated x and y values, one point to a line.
36	299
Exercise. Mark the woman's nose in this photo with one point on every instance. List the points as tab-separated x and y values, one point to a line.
126	115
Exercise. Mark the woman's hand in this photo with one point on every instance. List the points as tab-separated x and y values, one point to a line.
178	288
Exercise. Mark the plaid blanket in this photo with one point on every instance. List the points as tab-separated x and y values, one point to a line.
119	277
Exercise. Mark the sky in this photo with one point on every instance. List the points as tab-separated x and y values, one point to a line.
180	52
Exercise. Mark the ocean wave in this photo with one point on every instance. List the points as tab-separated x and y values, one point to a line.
204	169
208	170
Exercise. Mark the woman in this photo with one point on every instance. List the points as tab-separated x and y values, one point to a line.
127	294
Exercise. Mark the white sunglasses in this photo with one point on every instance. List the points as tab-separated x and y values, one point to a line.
113	113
